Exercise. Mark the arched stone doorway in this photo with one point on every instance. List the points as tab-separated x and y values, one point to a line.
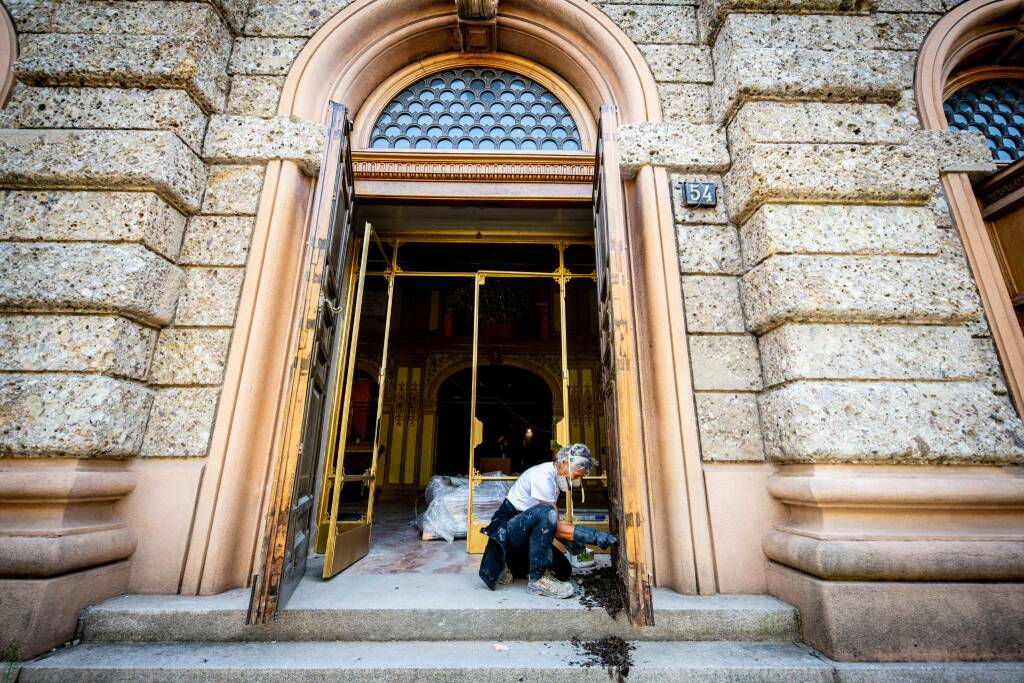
346	60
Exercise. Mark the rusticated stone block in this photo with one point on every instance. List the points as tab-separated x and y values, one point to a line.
804	57
709	249
289	18
195	65
712	304
821	122
883	422
75	343
651	24
913	5
250	139
115	16
815	173
957	151
685	102
724	363
868	352
72	415
126	278
234	12
209	297
707	215
855	289
692	147
712	13
729	427
100	159
233	190
678	63
92	217
181	422
992	367
255	95
107	108
817	31
216	241
190	356
903	31
264	56
838	229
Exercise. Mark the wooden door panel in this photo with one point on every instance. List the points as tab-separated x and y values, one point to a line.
289	516
619	375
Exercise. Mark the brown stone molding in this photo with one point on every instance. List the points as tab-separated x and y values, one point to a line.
969	28
476	9
62	546
914	523
474	167
356	50
60	519
8	54
980	73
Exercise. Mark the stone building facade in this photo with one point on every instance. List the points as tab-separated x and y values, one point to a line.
841	430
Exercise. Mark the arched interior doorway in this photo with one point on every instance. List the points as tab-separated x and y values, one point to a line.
516	409
346	60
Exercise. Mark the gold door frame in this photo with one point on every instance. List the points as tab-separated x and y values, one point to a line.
353	538
476	541
348	541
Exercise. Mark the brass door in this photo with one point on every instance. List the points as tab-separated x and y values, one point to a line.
347	528
619	374
309	403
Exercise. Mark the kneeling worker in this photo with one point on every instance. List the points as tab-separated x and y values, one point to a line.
522	529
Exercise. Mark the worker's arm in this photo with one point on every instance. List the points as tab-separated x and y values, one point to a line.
563	531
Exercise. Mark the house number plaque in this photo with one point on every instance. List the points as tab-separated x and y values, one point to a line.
700	194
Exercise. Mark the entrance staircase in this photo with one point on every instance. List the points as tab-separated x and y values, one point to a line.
446	627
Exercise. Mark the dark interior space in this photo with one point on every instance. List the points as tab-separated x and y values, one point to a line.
515	407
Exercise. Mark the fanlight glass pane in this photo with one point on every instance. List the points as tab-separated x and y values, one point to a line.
993	107
476	108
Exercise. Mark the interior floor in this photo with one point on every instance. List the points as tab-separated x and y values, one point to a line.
397	548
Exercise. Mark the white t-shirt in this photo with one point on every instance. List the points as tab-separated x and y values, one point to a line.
534	486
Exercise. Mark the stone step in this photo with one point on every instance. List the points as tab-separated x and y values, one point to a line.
450	662
394	607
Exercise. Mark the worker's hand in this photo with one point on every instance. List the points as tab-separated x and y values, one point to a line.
602	539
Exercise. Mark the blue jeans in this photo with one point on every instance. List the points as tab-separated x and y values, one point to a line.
533	530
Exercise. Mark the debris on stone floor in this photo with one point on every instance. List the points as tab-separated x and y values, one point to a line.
601	589
611	652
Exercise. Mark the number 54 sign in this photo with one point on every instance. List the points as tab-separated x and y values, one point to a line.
700	194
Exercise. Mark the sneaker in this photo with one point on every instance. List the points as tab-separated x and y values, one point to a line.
550	587
582	560
506	577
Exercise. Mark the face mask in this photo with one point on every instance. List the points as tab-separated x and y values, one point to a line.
563	483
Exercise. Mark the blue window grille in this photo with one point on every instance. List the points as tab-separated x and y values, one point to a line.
996	109
476	108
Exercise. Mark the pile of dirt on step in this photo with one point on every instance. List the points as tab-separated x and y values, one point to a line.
611	652
601	589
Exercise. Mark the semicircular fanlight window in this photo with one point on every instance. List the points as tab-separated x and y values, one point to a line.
476	108
996	109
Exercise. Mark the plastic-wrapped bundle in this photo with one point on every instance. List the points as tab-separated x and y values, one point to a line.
447	499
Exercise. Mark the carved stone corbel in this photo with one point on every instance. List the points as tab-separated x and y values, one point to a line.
478	25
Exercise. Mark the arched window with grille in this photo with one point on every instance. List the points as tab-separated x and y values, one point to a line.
476	108
995	108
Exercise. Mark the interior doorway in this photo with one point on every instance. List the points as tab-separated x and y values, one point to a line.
515	406
482	323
